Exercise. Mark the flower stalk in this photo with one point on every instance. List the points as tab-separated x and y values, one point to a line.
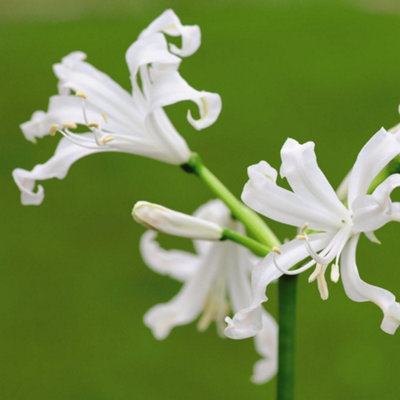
253	223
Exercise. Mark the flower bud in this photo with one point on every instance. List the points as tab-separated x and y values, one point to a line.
162	219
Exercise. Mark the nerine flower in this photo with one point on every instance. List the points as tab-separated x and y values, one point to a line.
329	230
114	119
215	280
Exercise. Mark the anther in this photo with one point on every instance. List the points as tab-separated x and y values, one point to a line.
315	274
104	115
53	130
69	125
304	227
81	94
276	250
300	237
106	139
93	125
335	274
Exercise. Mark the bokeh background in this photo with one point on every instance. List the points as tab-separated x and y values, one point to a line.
73	287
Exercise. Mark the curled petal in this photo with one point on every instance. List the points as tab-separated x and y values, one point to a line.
178	264
360	291
56	167
300	168
248	322
373	157
373	211
170	24
170	88
262	194
266	343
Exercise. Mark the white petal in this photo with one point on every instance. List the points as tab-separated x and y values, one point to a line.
266	343
373	211
360	291
300	168
178	264
170	88
162	219
188	303
61	109
56	167
168	145
262	194
149	50
247	322
102	92
373	157
170	24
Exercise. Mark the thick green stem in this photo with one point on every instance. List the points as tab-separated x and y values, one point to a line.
287	336
257	248
253	223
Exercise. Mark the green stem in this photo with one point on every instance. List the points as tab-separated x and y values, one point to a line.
287	335
254	224
257	248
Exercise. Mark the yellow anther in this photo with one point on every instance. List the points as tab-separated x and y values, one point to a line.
53	130
106	139
276	250
304	227
300	237
93	125
69	125
79	93
104	115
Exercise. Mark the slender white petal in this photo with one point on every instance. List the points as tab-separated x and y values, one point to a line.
373	157
266	343
188	303
262	194
162	219
170	24
170	88
56	167
180	265
358	290
247	322
300	168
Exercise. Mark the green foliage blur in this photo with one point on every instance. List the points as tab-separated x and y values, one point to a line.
73	287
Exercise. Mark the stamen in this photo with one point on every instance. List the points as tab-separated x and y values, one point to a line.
314	275
93	125
300	237
53	129
106	139
304	227
276	250
322	285
69	125
79	93
335	274
104	115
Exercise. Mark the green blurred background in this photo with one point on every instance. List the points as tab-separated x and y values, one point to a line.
73	287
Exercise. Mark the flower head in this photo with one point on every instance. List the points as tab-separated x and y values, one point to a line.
114	119
328	230
215	280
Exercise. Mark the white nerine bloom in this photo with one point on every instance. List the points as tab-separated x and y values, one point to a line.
215	280
114	119
313	205
165	220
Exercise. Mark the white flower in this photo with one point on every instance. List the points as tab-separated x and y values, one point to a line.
215	279
165	220
116	120
336	229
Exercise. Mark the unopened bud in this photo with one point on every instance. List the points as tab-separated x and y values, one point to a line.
162	219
